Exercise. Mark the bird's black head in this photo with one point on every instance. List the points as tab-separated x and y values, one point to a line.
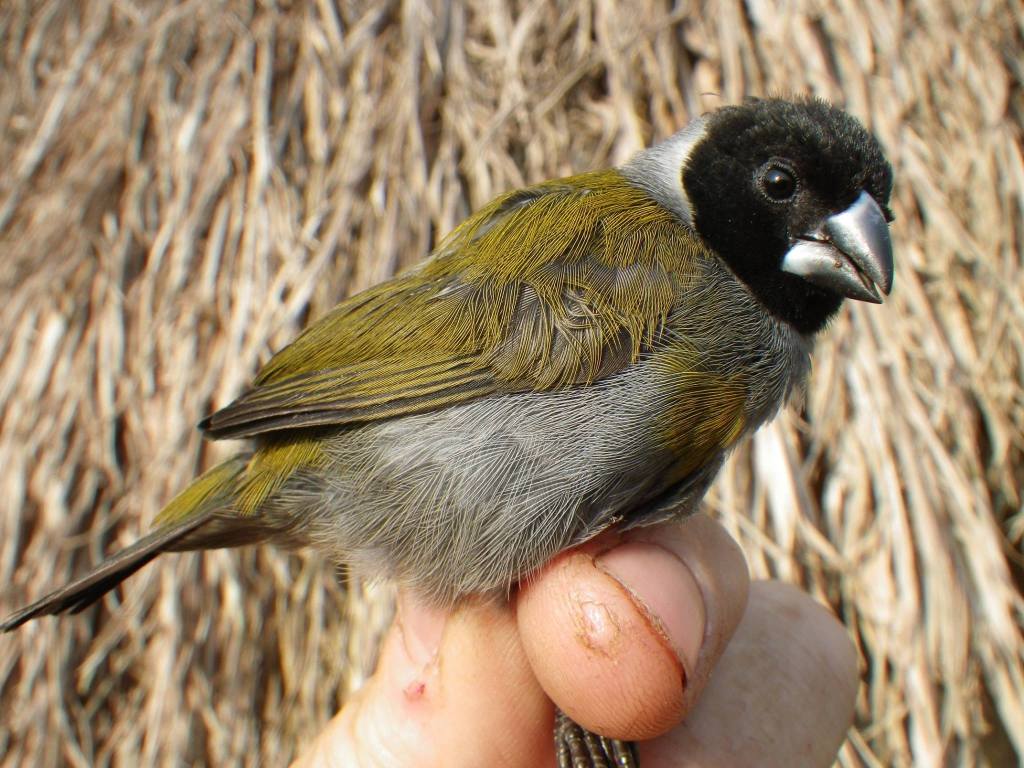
794	197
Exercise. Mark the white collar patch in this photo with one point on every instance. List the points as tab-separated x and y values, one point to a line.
659	169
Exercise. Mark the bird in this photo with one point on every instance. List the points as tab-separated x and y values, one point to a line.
577	356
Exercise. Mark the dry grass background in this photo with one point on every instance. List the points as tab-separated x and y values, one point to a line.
183	184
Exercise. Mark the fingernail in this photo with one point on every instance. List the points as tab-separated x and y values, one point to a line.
665	589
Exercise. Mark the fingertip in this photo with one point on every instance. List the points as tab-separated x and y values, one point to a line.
666	590
825	643
796	669
720	571
623	639
599	651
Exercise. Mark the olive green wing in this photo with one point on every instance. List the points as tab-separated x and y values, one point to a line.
553	286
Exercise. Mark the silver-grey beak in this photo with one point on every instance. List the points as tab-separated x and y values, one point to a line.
850	253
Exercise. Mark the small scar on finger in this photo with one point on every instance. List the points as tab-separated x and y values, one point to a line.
415	690
597	627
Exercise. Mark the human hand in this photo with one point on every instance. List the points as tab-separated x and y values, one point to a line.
623	635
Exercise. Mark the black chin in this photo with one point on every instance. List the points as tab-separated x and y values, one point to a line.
793	300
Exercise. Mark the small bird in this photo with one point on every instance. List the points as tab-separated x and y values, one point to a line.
576	356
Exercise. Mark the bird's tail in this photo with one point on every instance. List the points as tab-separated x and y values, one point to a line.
197	518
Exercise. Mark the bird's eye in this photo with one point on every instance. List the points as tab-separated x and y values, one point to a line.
778	183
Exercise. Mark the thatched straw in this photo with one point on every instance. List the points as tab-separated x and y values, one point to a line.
184	184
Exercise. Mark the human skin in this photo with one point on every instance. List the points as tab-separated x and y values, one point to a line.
623	635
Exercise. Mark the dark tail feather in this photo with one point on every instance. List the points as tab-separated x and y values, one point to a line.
80	594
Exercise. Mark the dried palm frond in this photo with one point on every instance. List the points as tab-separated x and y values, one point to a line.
184	184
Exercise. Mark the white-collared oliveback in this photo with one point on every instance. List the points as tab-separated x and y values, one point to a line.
576	355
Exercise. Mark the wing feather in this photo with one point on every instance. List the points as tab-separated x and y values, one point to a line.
554	286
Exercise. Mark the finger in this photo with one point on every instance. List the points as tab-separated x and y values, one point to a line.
782	695
623	640
450	690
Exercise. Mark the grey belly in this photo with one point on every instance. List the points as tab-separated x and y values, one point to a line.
469	499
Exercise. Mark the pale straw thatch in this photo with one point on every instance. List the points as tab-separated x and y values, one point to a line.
183	184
